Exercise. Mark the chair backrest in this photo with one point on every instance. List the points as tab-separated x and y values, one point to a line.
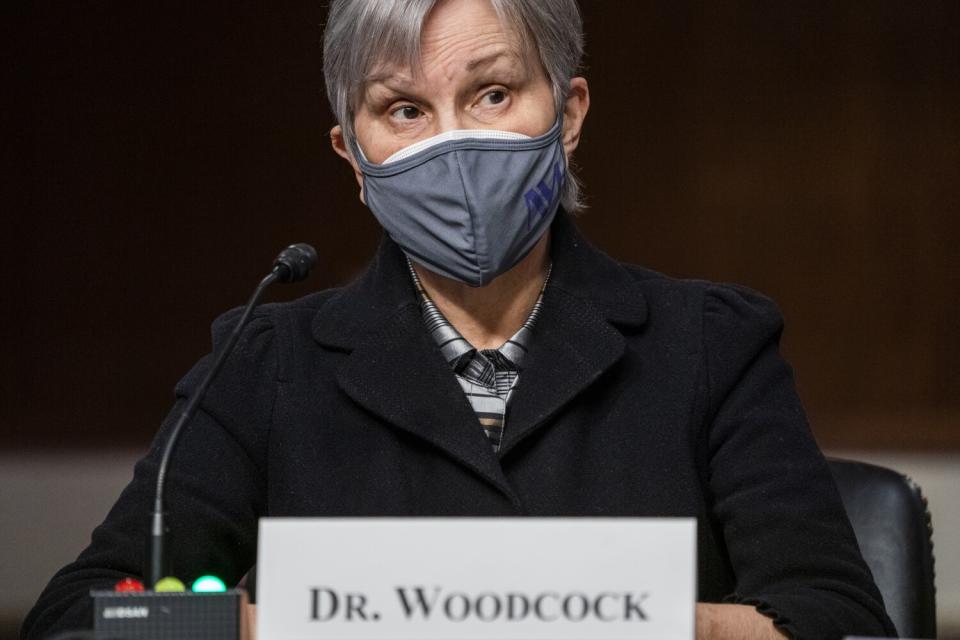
892	524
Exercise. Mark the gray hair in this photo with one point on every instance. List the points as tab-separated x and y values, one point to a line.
362	33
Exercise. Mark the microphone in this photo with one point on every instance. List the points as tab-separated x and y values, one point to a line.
294	262
292	265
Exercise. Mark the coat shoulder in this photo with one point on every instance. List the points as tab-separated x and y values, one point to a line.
716	306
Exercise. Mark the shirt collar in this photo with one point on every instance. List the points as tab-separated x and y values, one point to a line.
462	356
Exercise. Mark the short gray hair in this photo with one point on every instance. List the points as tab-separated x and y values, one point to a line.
362	33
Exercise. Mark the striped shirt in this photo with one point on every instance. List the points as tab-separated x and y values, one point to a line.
488	377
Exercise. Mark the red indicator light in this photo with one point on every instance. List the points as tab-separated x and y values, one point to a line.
127	585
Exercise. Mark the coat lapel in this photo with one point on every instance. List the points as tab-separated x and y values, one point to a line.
589	303
572	347
396	371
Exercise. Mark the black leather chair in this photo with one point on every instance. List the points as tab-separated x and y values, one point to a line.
892	524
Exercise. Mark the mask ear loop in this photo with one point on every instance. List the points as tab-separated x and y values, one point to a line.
357	151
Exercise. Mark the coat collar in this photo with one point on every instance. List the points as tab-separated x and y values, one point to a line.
397	371
385	288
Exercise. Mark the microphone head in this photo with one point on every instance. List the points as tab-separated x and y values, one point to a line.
295	262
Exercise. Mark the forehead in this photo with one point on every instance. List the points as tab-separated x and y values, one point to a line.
456	36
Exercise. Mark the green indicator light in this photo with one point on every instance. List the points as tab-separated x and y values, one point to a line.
169	584
208	584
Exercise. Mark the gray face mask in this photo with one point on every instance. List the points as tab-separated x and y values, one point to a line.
468	205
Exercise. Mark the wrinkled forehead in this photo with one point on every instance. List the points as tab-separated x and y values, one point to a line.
402	44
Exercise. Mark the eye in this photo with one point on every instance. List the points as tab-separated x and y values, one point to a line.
497	96
406	112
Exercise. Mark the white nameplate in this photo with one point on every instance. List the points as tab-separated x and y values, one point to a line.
476	578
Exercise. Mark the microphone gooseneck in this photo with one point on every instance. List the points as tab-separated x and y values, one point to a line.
292	265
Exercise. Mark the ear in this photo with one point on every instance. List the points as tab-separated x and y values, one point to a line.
339	143
574	113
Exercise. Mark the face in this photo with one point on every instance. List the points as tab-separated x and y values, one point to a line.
474	74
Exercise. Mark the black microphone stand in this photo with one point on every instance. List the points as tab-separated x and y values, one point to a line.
291	265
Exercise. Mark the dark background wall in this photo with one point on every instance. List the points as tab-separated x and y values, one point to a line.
161	153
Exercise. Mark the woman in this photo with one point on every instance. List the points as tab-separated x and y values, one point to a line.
490	362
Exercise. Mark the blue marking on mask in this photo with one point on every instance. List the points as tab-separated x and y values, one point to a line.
540	199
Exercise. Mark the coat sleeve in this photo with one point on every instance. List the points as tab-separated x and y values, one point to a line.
790	544
215	488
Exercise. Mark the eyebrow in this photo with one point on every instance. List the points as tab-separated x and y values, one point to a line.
486	61
402	78
383	76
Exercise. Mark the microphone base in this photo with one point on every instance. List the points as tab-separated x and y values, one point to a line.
150	615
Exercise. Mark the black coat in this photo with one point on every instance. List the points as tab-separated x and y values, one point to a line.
641	396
